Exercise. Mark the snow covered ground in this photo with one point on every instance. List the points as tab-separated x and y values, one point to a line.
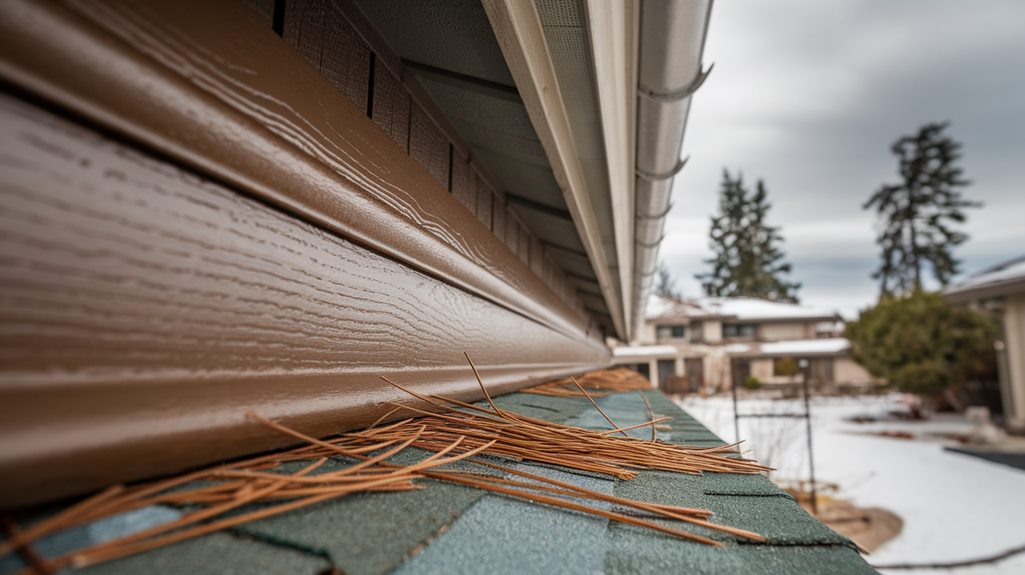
954	506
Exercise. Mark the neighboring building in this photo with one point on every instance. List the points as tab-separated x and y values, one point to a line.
1000	290
708	343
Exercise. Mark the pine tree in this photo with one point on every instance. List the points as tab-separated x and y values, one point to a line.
665	285
918	214
748	260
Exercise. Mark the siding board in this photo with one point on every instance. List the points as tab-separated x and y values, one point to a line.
428	146
484	201
143	306
327	41
462	183
223	95
498	218
391	107
523	245
263	9
537	257
512	239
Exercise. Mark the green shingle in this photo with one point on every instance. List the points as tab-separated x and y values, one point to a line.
634	551
372	532
454	529
216	554
501	535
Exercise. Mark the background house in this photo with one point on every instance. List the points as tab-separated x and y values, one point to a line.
707	343
1000	290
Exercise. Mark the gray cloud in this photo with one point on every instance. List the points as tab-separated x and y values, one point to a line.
808	95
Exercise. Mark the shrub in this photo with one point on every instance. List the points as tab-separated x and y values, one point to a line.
919	344
786	366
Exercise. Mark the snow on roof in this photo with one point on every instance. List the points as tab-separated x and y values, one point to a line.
644	350
753	308
802	346
659	306
737	348
1005	272
742	308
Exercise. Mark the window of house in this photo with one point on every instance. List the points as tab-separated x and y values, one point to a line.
738	331
671	331
697	332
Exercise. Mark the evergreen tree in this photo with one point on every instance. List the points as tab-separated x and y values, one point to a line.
917	214
665	285
747	260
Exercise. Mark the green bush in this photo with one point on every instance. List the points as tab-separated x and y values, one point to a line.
919	344
786	366
753	382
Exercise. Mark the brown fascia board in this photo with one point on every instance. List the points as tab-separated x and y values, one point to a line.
261	120
145	309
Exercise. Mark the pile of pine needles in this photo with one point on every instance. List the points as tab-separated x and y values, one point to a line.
600	382
232	494
221	492
519	437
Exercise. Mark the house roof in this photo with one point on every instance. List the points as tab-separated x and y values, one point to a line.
1002	279
644	351
738	308
820	346
453	529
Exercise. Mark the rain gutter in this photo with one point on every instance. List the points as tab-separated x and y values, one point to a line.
672	40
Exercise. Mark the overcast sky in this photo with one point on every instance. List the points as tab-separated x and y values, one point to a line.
809	95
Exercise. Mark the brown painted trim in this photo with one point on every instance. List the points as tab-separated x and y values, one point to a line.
145	308
261	120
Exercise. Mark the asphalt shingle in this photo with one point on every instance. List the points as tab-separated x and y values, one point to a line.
447	528
216	554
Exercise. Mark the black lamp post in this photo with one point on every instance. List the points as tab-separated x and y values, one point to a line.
803	363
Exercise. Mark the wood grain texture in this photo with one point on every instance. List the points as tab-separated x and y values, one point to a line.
144	309
523	241
391	107
264	9
485	199
218	92
325	40
512	238
428	146
498	221
462	183
537	257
